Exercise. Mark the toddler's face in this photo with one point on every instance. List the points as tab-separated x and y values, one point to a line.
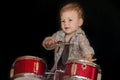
70	21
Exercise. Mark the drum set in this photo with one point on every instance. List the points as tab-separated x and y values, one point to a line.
35	68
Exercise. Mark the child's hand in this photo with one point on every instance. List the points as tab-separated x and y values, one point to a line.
89	57
50	42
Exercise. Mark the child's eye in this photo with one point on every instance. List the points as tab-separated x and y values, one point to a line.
62	21
70	19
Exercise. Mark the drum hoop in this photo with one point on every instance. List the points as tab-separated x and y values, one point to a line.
27	74
79	77
83	61
29	57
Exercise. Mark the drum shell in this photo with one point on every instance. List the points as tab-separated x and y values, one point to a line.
81	69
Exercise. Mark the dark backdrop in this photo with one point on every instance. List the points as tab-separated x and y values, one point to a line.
25	25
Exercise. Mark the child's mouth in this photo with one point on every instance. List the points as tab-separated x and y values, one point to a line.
67	28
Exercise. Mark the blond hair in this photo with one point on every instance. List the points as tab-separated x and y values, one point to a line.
73	7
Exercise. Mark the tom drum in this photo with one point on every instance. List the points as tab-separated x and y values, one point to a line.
28	68
81	70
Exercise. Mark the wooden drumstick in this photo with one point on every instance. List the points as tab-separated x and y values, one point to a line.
12	73
99	75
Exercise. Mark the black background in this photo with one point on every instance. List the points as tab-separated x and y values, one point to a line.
25	24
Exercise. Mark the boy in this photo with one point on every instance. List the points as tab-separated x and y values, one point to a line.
70	42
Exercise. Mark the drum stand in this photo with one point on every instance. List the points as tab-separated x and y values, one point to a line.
54	74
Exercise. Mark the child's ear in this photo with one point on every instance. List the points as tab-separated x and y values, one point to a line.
81	21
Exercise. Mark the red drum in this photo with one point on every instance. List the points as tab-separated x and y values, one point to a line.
80	70
29	68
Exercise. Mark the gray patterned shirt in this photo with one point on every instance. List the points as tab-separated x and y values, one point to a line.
79	45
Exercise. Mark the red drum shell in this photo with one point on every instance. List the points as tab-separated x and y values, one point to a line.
29	65
81	69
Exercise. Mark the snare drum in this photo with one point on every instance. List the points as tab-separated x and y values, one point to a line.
80	70
29	68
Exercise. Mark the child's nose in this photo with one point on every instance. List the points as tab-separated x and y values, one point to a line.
66	24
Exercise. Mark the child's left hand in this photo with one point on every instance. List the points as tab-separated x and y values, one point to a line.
89	57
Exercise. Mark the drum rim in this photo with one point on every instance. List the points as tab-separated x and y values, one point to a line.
28	57
79	77
28	74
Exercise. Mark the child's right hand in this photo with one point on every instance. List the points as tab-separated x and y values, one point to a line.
50	42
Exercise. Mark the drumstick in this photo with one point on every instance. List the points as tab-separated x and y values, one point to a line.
99	75
62	43
11	73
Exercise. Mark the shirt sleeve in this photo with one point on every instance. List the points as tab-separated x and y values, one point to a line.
85	46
